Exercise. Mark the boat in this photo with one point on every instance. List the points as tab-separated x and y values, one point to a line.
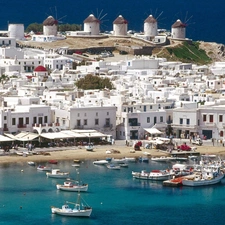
162	159
100	162
143	159
89	147
123	164
208	176
130	159
76	165
55	173
72	186
160	175
79	210
52	161
31	163
118	160
113	167
43	168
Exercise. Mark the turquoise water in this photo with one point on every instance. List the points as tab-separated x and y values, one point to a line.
116	198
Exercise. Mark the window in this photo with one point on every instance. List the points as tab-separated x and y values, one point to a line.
150	106
161	119
13	121
45	119
155	120
181	121
78	114
107	122
96	114
27	120
85	122
107	113
211	118
148	119
204	118
220	118
188	121
221	133
34	119
78	123
96	121
5	117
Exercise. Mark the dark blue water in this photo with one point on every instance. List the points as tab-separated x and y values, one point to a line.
116	198
205	18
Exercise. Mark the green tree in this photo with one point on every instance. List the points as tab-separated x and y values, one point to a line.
94	82
3	79
35	27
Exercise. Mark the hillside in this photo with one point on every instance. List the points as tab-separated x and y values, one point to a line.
195	52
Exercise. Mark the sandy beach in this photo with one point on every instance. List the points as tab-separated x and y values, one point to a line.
72	153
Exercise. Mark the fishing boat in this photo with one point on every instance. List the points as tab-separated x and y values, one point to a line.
208	176
72	186
160	175
56	173
43	168
80	209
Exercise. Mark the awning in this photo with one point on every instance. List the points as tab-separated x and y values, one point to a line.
152	130
4	138
23	136
57	135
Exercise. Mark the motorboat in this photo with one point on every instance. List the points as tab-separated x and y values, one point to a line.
160	175
113	167
43	168
123	160
130	159
72	186
31	163
123	164
56	173
79	210
143	159
208	176
162	159
100	162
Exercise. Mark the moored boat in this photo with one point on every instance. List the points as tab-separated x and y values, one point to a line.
100	162
79	210
113	167
72	186
43	168
56	173
31	163
52	161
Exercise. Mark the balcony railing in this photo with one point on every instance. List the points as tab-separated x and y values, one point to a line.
21	125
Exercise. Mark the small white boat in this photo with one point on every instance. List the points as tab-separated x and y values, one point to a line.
89	147
43	168
79	209
72	186
123	165
31	163
100	162
123	160
113	167
76	165
130	159
55	173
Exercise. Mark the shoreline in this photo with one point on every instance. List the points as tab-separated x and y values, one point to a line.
80	153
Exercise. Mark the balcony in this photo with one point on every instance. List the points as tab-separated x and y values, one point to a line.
5	129
21	125
134	124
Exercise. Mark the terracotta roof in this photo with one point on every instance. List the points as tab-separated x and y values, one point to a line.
91	18
120	20
40	69
150	19
50	21
178	24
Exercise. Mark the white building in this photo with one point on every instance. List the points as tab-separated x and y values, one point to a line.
178	30
16	31
150	26
92	25
120	26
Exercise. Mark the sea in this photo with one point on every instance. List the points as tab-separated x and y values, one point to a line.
204	18
26	197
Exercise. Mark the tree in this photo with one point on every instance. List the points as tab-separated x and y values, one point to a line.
94	82
3	79
35	27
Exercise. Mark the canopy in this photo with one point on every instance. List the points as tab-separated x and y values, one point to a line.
23	136
4	138
153	130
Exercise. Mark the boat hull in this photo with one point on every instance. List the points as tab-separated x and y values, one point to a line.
81	188
70	212
58	176
193	183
